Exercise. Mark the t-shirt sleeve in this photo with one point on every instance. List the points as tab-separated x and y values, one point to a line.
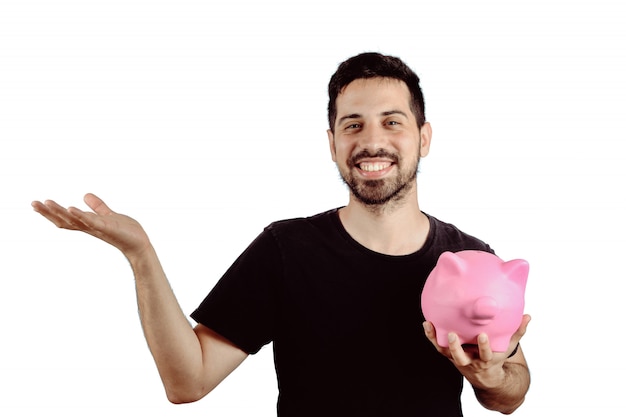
242	307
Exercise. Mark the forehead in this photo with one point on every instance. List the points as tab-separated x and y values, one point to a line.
374	94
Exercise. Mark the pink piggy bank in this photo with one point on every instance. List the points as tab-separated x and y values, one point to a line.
472	292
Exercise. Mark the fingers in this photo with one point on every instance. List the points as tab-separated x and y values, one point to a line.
521	331
429	330
118	230
454	351
522	328
55	213
457	354
71	218
482	353
484	348
461	356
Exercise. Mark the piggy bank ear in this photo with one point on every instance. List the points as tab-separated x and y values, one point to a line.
451	265
516	271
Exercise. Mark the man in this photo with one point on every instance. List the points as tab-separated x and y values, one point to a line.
338	293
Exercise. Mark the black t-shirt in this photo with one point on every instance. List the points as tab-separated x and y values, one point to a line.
345	321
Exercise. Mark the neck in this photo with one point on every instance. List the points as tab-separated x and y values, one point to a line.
396	228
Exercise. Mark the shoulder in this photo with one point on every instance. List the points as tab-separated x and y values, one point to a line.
450	237
318	221
305	233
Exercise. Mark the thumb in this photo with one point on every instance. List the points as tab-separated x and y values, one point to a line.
97	205
521	331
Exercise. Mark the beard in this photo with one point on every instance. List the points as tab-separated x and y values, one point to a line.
379	192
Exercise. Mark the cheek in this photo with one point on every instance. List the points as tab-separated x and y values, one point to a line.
416	147
341	151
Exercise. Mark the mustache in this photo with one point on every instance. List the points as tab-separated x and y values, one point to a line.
365	154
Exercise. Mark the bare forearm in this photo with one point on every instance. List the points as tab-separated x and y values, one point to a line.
510	394
171	339
176	347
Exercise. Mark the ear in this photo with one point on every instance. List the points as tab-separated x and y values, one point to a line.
516	271
426	134
331	143
450	265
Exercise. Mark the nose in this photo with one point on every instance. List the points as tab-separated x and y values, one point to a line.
483	310
373	137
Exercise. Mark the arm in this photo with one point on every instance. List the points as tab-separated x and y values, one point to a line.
500	382
507	395
191	362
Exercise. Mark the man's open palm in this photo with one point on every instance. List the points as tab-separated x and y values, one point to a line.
119	230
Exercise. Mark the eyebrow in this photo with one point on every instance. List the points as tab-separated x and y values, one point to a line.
391	112
385	113
349	116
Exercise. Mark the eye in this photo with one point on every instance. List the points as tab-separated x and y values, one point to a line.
393	123
353	126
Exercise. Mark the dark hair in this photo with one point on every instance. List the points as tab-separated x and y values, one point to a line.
371	65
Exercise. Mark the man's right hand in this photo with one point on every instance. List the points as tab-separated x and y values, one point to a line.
119	230
191	362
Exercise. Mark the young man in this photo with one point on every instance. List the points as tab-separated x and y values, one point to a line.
338	293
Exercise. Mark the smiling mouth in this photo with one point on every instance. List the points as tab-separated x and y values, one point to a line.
373	166
371	163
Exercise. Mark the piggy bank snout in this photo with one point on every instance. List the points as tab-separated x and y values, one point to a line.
483	310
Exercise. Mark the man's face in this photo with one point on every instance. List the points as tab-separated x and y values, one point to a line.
376	141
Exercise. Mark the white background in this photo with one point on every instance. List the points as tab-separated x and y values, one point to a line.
206	121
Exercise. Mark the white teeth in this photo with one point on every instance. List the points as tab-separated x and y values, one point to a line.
374	166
